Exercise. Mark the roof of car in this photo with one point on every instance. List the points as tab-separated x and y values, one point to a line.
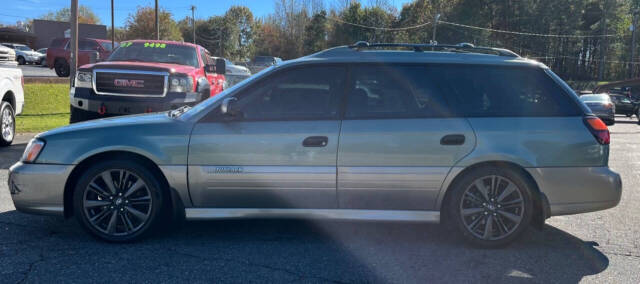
421	53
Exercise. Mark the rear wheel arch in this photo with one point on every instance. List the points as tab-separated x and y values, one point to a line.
172	200
541	205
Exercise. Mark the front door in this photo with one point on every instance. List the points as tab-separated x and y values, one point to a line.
278	150
398	139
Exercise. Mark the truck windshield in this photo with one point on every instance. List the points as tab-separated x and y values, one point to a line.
155	52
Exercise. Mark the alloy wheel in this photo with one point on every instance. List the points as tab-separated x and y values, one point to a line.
8	122
492	207
117	202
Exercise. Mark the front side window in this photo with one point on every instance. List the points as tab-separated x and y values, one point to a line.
87	45
301	93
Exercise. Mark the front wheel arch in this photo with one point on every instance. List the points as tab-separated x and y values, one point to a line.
540	202
172	201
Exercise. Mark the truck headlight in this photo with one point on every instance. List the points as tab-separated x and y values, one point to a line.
180	84
32	151
84	80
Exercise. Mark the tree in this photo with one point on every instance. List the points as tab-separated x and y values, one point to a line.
141	25
240	32
315	33
85	15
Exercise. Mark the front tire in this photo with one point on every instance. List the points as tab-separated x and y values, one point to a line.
62	68
7	124
80	115
118	200
491	206
21	60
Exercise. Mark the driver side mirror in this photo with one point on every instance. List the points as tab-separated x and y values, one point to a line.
221	66
227	106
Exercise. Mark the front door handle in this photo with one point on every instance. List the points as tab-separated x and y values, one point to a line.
315	141
452	139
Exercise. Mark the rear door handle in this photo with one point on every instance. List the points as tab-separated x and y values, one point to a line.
452	139
315	141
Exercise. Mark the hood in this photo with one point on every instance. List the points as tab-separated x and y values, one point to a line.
120	121
170	67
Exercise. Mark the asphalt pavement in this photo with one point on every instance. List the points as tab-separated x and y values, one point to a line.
31	70
595	247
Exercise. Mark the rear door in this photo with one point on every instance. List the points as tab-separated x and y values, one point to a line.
398	139
279	151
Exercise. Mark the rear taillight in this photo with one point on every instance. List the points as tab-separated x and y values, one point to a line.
598	129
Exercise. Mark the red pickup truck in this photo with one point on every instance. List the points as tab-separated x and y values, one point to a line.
89	51
146	76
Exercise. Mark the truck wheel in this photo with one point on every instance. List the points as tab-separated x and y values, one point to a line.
21	60
80	115
7	124
62	68
491	206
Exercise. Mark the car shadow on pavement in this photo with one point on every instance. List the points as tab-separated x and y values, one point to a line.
49	249
11	154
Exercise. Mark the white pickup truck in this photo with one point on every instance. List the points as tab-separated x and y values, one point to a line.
11	94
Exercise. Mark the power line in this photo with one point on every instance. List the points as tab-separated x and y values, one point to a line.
378	28
526	33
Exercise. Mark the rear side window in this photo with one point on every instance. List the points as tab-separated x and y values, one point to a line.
502	91
58	43
87	45
394	91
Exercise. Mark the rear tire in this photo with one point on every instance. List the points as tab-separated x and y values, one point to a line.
21	60
128	210
7	124
62	68
495	215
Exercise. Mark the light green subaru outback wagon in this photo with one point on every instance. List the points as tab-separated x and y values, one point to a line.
479	138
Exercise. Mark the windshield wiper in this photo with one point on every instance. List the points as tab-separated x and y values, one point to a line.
179	111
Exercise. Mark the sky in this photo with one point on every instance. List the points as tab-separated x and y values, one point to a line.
20	10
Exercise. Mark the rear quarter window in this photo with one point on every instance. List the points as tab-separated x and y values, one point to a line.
485	91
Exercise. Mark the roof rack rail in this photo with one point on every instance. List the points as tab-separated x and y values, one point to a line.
419	47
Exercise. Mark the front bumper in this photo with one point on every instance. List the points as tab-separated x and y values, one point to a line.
87	99
574	190
38	188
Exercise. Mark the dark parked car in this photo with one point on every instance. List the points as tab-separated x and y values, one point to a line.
624	105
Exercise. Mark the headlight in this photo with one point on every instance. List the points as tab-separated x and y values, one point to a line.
32	151
180	84
84	80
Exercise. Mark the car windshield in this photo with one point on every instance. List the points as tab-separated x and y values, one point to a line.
594	98
107	45
156	52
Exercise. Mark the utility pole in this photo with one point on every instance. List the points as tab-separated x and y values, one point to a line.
157	25
193	19
436	17
73	42
113	30
634	27
604	45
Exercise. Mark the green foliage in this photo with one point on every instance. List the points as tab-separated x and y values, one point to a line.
141	25
85	15
315	33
